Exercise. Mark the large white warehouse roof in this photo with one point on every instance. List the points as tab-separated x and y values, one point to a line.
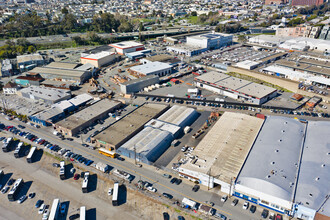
271	167
179	115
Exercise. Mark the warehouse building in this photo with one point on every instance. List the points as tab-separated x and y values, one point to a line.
164	58
152	68
235	88
127	47
187	50
164	126
60	110
179	115
99	59
312	194
73	124
136	85
138	54
278	148
210	41
6	68
45	94
26	62
222	152
125	128
61	71
147	146
29	80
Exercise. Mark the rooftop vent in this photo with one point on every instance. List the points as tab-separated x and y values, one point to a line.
323	165
277	150
311	195
267	177
317	178
272	163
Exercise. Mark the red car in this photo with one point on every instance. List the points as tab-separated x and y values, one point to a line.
41	142
76	176
278	217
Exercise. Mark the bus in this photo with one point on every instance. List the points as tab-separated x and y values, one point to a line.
29	158
6	145
107	153
85	183
62	170
54	211
15	190
115	194
18	149
83	213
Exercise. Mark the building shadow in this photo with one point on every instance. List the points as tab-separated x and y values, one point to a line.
122	195
92	183
91	214
5	178
37	155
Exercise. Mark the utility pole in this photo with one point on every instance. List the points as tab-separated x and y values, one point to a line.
208	183
135	154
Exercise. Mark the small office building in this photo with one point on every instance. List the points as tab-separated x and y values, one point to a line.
138	84
152	68
71	125
125	47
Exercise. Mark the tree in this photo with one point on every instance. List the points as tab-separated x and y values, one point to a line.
31	49
64	11
193	13
141	27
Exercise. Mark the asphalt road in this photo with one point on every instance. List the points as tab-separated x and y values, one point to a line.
148	173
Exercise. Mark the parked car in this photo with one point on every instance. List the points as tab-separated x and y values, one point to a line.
38	203
166	195
178	181
167	175
195	188
173	180
76	176
74	216
151	189
63	208
264	213
32	195
22	199
253	209
279	217
41	209
45	215
234	202
271	216
166	216
245	205
5	189
110	191
224	198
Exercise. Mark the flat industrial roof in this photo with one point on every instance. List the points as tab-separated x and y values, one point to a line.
147	139
58	72
87	114
177	114
28	57
304	67
80	99
224	148
210	36
48	113
126	44
130	123
314	177
218	79
141	79
63	65
151	67
273	162
46	93
97	56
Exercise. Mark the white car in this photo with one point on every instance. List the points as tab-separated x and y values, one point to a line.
41	209
45	215
22	199
151	189
5	189
224	198
245	205
110	191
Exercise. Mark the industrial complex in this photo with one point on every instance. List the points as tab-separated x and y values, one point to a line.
235	88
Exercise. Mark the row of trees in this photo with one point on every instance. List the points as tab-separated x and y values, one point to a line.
317	10
32	25
12	49
230	28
